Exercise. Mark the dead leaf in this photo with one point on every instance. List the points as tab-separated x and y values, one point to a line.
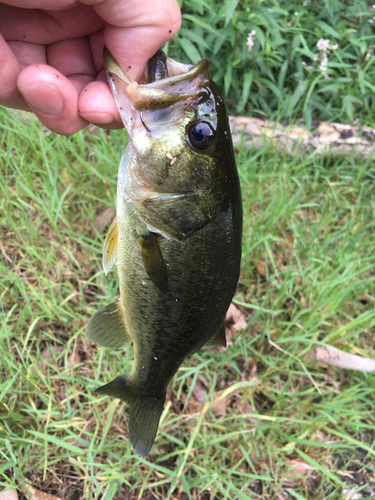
73	359
219	406
321	436
289	240
235	320
297	468
199	393
249	372
197	398
34	494
261	268
194	405
104	218
9	495
52	351
245	408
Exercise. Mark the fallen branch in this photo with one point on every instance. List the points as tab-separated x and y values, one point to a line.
336	138
332	356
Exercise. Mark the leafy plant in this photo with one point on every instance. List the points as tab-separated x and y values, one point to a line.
283	73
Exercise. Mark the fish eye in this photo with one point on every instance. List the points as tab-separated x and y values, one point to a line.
200	135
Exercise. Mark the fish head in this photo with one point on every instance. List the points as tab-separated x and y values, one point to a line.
180	139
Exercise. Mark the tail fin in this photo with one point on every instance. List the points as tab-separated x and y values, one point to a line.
144	414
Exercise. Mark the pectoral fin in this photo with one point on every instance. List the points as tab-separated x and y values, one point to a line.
219	339
107	328
174	216
153	260
110	247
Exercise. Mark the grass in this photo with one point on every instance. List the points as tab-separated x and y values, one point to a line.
293	429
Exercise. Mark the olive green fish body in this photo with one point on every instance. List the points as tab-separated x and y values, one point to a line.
168	326
177	239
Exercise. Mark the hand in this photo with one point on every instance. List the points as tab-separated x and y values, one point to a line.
51	60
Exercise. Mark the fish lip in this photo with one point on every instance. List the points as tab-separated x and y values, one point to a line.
161	93
111	66
194	70
202	67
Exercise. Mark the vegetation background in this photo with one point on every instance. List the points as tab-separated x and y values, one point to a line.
261	419
281	75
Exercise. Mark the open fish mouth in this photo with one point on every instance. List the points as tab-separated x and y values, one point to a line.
182	82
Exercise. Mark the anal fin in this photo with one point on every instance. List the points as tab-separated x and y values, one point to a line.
219	339
107	328
110	247
153	260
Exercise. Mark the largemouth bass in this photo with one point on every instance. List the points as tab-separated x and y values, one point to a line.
177	236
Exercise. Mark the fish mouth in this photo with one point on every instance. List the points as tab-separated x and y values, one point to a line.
183	83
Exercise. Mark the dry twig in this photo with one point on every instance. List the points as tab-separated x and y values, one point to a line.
332	356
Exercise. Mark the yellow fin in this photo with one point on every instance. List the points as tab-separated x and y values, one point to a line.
110	247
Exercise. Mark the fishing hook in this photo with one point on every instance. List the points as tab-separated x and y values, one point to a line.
143	123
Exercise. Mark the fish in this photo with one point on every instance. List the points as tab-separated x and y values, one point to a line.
176	238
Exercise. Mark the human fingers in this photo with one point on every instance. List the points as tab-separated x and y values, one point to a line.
9	71
43	26
41	4
52	90
52	97
96	105
95	101
136	29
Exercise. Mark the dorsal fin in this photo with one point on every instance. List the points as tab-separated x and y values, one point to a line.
110	247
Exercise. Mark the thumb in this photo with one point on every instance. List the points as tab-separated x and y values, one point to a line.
136	29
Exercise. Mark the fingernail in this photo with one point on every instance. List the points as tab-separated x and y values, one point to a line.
44	99
100	118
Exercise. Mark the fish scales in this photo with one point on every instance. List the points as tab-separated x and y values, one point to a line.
177	236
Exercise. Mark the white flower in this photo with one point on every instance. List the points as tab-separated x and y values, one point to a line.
323	44
304	3
323	65
251	40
